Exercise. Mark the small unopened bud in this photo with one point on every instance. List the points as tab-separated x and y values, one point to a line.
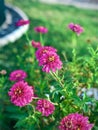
3	72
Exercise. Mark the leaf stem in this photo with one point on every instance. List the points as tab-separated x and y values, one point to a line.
55	76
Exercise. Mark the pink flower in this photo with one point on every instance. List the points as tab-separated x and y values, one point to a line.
76	28
36	44
40	29
50	62
21	93
43	50
45	107
48	59
75	121
22	22
17	75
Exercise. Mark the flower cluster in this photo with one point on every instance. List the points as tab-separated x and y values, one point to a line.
46	55
22	94
48	59
45	107
75	121
76	28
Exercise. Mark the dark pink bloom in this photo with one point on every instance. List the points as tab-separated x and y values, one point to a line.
40	29
17	75
22	22
36	44
75	121
21	93
50	62
45	107
76	28
43	50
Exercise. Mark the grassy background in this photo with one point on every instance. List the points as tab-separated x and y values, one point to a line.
56	18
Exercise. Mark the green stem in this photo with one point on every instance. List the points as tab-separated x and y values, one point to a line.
30	105
41	39
27	38
32	51
55	76
74	41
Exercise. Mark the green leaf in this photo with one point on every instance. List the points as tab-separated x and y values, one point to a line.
21	123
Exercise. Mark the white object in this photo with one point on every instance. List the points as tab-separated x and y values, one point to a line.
16	34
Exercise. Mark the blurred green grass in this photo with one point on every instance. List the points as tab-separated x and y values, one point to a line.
56	18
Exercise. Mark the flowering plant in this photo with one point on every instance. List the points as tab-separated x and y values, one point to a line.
50	92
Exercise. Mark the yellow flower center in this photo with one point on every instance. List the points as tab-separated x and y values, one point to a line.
18	91
44	51
18	75
46	105
51	58
68	124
